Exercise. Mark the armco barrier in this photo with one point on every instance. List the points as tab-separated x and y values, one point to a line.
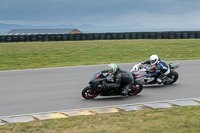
101	36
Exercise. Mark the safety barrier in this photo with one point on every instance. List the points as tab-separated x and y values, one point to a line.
101	36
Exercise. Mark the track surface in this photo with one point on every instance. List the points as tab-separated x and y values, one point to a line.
43	90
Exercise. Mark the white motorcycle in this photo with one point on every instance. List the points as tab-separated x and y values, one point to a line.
150	73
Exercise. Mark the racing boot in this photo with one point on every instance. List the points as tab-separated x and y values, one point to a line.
125	91
161	79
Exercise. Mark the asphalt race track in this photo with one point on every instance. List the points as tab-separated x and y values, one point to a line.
52	89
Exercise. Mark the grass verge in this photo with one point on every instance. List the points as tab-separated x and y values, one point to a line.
173	120
58	54
25	55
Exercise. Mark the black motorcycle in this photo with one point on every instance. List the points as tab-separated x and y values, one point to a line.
100	79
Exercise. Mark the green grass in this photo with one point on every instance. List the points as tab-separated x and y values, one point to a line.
73	53
27	55
173	120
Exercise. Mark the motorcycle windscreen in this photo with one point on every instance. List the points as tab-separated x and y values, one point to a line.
95	80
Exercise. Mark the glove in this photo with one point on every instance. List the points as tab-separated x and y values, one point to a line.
98	75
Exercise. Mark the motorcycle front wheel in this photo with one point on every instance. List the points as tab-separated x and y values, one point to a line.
135	89
89	93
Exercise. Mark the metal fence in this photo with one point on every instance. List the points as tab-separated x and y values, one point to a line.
101	36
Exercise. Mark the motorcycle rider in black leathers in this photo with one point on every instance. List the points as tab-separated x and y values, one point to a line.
121	77
160	65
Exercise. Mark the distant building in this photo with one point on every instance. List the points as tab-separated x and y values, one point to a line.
42	31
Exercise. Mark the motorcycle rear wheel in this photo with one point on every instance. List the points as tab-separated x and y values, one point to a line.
136	89
89	93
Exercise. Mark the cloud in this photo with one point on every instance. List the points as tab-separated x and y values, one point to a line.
100	12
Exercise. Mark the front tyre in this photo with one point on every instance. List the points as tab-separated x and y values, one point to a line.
172	78
135	89
89	93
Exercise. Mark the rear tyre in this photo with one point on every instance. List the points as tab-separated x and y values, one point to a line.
135	89
89	93
173	76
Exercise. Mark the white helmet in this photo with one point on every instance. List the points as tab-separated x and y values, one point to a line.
153	59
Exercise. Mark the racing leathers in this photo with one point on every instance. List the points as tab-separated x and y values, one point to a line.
121	77
162	68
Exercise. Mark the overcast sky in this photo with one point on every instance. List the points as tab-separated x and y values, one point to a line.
155	13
